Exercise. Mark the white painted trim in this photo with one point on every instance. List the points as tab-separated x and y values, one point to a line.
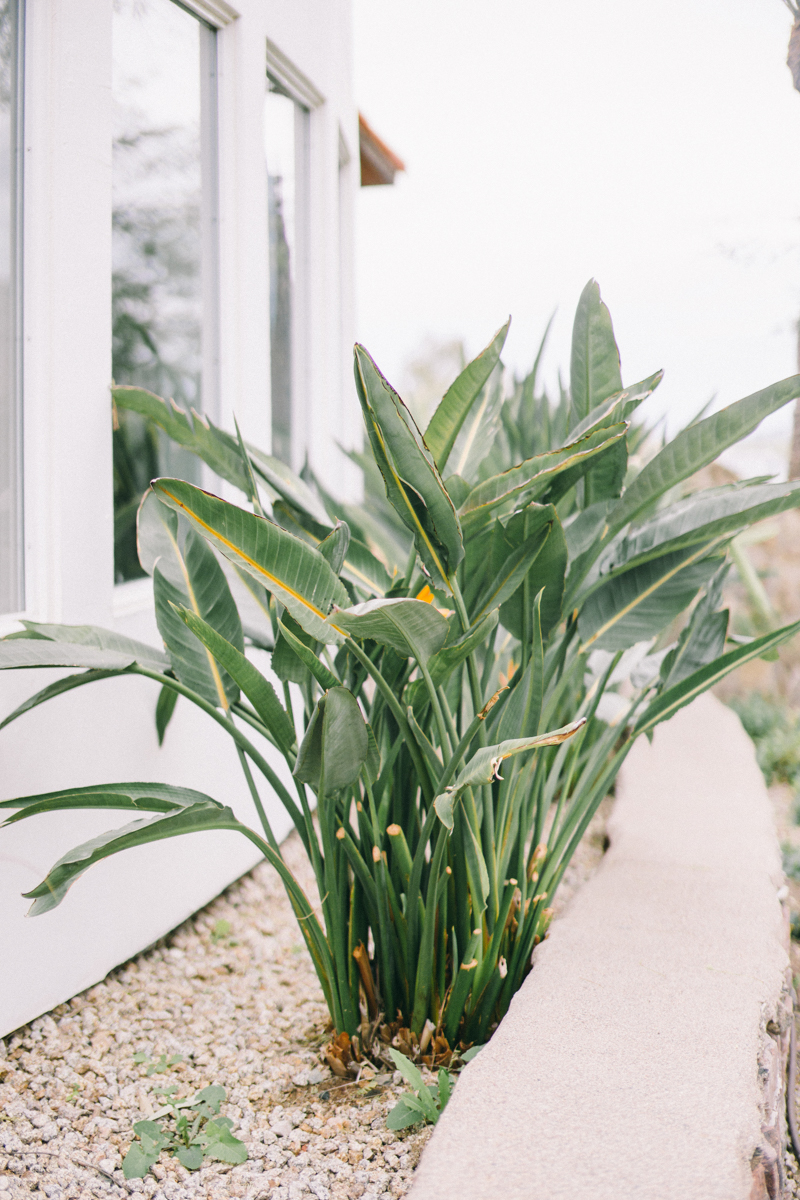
290	77
307	183
243	232
213	12
67	312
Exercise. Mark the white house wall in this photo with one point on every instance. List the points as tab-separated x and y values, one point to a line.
105	732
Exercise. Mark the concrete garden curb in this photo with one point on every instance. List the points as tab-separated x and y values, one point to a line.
644	1056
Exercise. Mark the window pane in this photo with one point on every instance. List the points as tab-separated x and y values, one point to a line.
160	85
285	132
11	589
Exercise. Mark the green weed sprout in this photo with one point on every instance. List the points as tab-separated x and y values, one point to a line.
199	1133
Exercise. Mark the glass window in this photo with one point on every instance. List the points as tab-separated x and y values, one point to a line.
11	579
286	144
164	226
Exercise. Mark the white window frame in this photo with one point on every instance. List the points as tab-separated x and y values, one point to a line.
66	292
302	92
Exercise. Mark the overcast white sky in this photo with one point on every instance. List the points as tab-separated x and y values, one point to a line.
655	147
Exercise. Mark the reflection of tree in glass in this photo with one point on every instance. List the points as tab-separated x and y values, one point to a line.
156	278
156	308
6	43
280	308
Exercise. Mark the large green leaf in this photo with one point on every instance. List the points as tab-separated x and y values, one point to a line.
445	661
140	797
360	567
454	407
478	434
606	471
413	484
290	642
523	483
698	445
287	663
23	652
698	518
619	407
206	593
192	812
364	570
57	689
259	691
94	635
484	766
523	709
637	605
547	573
411	627
702	640
606	477
336	743
158	540
193	431
294	572
175	552
407	1111
334	547
205	815
524	538
220	450
291	487
165	710
583	529
594	362
669	701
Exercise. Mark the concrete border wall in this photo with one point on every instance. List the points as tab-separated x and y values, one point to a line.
644	1054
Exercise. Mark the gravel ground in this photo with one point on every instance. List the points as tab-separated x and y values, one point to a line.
244	1010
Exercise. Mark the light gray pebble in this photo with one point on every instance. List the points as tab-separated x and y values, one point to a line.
244	1028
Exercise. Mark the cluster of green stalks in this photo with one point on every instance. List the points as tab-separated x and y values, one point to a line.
439	685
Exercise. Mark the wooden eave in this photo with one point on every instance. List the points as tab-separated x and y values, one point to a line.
379	164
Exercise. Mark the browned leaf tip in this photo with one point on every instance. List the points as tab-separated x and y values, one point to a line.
367	981
489	705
